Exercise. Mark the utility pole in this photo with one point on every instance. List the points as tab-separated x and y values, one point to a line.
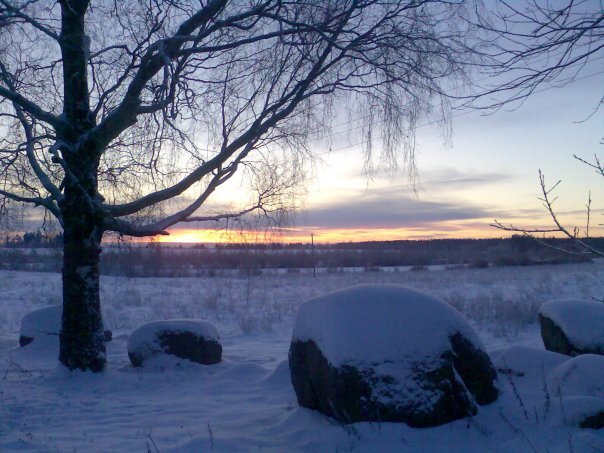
312	249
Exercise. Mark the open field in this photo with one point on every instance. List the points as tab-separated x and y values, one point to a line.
246	403
181	260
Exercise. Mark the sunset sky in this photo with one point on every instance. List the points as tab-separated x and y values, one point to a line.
489	171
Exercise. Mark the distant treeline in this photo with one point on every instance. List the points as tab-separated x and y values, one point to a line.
33	239
163	260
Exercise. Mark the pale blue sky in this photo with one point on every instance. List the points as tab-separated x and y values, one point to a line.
490	170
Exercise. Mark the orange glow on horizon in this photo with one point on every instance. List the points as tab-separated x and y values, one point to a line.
326	236
191	236
460	229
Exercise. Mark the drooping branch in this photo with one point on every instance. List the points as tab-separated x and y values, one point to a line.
536	44
159	227
152	62
32	108
47	203
33	161
10	12
241	76
29	141
265	121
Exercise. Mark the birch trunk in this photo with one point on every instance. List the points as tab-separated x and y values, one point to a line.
82	338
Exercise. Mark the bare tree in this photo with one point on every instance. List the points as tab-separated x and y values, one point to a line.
580	238
111	109
536	45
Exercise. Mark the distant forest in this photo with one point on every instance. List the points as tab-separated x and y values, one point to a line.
37	252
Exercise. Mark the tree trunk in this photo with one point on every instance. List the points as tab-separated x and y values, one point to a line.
82	339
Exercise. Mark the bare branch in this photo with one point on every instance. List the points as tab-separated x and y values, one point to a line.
538	43
47	203
32	108
548	203
152	62
17	12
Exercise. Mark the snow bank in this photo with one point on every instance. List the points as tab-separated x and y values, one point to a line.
580	376
582	321
529	362
196	409
345	329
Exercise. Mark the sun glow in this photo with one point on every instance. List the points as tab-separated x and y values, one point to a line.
190	236
326	236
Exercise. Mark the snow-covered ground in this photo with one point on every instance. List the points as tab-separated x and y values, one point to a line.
247	403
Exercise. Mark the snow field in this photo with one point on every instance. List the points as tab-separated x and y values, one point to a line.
502	302
247	403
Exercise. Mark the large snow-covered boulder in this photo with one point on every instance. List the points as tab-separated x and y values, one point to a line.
191	339
573	326
44	324
387	353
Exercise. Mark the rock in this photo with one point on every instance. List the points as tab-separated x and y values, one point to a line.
593	421
579	411
584	412
45	323
41	323
385	353
572	327
195	340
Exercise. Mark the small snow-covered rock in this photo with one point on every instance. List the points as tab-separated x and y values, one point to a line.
192	339
45	323
387	353
582	411
41	324
573	326
526	361
580	376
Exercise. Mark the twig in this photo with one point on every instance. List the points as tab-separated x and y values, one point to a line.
548	202
211	437
155	449
517	430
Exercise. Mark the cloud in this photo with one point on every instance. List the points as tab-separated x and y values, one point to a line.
389	208
451	178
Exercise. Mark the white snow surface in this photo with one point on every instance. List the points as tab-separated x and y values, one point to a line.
45	321
579	376
578	408
527	361
377	323
147	335
246	402
581	320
